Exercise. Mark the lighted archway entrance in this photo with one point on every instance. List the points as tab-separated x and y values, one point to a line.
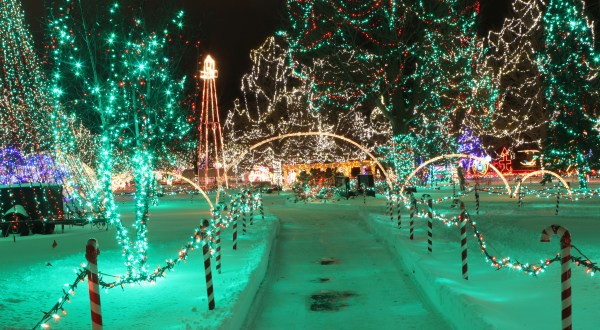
284	136
194	184
458	156
542	172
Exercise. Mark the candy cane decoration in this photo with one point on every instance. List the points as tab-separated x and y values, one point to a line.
453	188
251	212
391	207
520	195
260	207
388	202
251	205
477	198
565	262
557	201
207	271
244	204
235	221
91	255
218	251
398	210
429	222
413	209
463	240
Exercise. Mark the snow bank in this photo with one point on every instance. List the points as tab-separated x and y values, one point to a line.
34	273
505	298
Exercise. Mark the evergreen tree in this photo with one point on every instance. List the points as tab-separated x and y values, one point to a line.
570	65
25	106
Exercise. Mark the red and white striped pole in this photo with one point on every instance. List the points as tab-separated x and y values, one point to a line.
91	255
391	207
252	207
429	222
519	195
413	209
388	202
565	262
218	246
477	198
235	211
463	241
261	206
207	270
453	188
244	202
557	201
398	208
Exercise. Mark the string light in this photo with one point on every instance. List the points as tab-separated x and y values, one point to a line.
245	201
276	102
527	268
520	115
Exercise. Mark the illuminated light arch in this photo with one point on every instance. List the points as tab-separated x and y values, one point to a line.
434	159
542	172
195	185
283	136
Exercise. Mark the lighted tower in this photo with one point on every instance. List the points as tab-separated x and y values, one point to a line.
210	148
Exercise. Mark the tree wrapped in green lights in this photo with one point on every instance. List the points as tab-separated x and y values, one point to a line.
276	102
570	63
456	84
380	55
115	74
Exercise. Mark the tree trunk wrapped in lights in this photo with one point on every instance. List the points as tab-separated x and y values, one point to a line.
112	72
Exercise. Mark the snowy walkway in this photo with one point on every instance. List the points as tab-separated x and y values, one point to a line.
328	272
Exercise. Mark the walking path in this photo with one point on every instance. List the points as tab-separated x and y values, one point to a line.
328	272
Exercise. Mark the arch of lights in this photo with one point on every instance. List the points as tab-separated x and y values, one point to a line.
450	156
283	136
194	184
542	172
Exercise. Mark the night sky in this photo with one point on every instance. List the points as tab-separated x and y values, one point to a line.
229	29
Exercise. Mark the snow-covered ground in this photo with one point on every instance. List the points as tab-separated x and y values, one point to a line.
505	298
33	273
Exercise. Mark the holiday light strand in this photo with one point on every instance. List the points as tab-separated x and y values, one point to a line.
507	262
58	308
276	102
521	114
196	241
